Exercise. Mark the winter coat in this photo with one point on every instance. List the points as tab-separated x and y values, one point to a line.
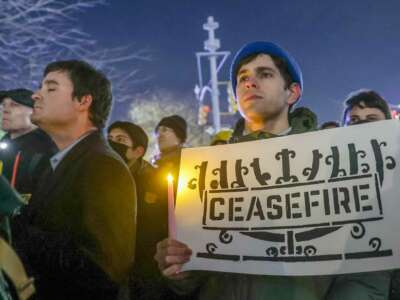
77	235
34	147
146	281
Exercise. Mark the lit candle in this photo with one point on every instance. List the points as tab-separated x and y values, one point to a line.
171	207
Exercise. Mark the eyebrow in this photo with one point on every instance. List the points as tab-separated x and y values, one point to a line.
50	81
47	82
258	70
118	136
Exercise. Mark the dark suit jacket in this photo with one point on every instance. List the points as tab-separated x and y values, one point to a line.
77	234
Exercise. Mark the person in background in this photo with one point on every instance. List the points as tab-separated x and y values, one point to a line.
14	282
222	137
130	141
77	234
171	134
24	148
361	107
365	106
329	125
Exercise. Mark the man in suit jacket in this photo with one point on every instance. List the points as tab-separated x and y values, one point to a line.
77	234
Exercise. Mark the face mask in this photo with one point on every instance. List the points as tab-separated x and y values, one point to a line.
121	149
360	122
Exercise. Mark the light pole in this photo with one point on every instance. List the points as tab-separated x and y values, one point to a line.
211	45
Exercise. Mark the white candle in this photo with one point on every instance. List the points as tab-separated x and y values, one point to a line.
171	208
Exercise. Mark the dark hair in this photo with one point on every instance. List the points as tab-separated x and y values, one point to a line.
281	65
135	132
329	124
87	80
365	98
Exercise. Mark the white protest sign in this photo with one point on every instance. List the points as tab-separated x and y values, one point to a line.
324	202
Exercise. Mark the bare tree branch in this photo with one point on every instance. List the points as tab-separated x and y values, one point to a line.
36	32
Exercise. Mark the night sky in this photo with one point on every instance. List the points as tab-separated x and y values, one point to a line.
341	45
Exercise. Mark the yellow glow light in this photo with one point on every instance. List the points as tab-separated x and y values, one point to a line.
170	178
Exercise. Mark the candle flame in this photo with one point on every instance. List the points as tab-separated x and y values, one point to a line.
170	178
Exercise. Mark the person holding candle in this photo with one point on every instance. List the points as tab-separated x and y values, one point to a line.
171	134
24	147
267	82
77	234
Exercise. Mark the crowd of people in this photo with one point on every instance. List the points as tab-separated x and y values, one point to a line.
91	220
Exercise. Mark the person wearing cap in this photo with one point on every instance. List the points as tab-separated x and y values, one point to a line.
267	82
171	134
77	234
24	145
31	145
17	108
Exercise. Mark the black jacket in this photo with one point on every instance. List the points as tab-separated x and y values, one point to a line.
147	283
34	148
77	234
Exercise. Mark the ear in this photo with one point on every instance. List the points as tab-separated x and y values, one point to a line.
85	102
294	93
138	151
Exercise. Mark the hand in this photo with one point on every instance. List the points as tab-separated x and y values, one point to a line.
170	256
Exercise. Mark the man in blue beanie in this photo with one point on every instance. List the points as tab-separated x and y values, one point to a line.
266	82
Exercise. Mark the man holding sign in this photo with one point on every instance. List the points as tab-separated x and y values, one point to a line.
267	82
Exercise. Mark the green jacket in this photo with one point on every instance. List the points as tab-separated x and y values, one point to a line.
230	286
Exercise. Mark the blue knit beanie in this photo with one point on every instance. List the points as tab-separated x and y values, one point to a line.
270	49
